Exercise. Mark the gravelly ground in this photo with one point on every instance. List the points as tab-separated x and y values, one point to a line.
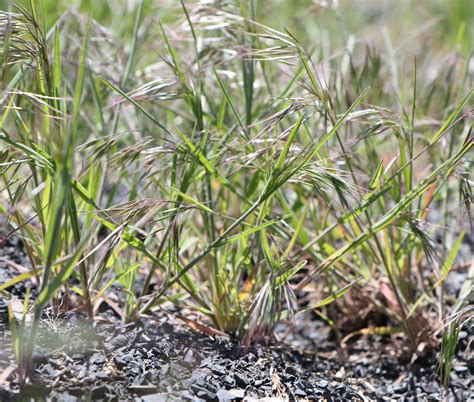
162	359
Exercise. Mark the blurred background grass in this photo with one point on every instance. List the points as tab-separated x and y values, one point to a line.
448	22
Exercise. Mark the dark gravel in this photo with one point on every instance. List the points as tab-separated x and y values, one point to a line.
162	359
12	254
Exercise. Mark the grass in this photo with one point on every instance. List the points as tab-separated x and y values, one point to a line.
204	155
